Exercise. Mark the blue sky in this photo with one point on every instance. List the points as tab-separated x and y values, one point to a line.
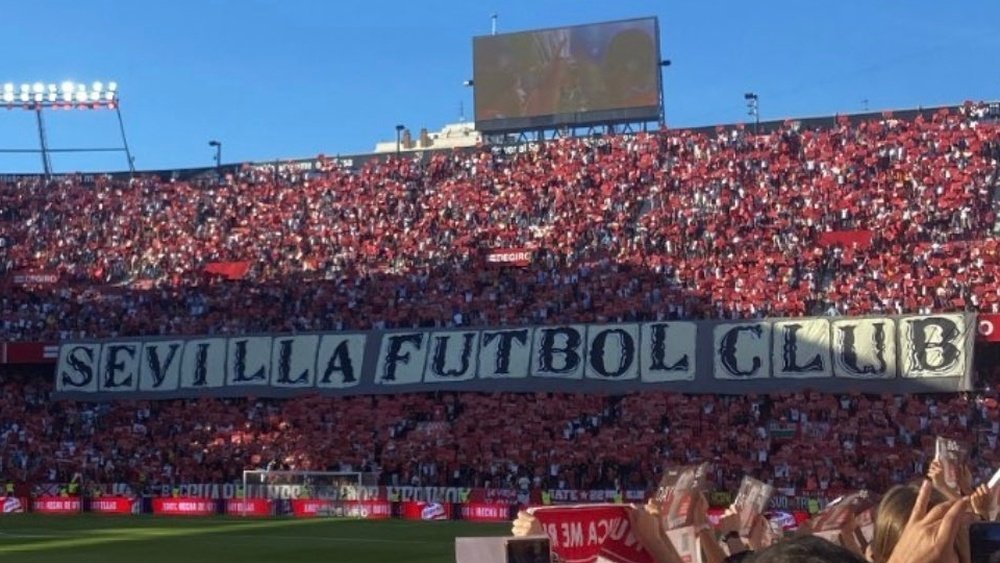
295	78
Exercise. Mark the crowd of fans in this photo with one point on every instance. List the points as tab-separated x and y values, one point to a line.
804	443
652	225
672	224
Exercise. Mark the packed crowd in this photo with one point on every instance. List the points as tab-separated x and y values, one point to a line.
653	225
674	224
803	443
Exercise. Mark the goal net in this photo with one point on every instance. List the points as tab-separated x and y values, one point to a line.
319	493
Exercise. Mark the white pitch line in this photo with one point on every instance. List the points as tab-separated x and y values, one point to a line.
320	538
13	535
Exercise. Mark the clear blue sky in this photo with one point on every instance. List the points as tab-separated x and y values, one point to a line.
294	78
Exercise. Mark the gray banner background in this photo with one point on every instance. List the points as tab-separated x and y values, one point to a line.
704	360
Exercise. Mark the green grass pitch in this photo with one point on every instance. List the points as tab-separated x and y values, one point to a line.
28	538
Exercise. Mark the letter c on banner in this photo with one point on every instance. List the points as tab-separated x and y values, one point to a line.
729	351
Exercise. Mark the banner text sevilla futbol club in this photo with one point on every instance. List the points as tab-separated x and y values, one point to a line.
870	354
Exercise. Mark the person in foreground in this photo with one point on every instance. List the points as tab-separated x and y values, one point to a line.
931	534
804	549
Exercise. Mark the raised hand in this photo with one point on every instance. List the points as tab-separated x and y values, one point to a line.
981	502
937	477
930	535
646	527
526	525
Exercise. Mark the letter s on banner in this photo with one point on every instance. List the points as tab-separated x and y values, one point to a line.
78	367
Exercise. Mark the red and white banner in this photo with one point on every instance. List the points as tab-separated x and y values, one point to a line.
113	505
183	506
35	277
28	353
228	270
582	533
576	496
486	512
509	496
249	507
989	327
57	505
305	508
510	256
365	509
425	511
12	505
860	239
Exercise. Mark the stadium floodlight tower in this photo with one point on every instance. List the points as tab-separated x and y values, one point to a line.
68	95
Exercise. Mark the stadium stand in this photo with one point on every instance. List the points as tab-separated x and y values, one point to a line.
676	225
884	216
836	443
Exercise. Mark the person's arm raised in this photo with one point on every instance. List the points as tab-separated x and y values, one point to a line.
981	502
526	525
936	474
647	530
929	536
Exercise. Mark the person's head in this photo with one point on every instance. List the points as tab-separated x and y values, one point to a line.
893	514
806	549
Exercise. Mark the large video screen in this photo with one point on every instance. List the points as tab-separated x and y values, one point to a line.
579	75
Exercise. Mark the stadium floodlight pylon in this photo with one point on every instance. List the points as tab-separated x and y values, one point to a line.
67	95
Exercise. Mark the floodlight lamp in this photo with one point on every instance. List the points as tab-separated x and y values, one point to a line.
39	97
81	96
97	86
52	88
25	96
25	88
95	96
67	96
68	86
53	96
112	86
38	88
81	88
109	96
8	87
8	97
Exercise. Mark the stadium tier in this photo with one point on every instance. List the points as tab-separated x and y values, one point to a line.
885	216
879	216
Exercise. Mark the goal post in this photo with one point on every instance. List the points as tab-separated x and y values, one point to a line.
335	493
